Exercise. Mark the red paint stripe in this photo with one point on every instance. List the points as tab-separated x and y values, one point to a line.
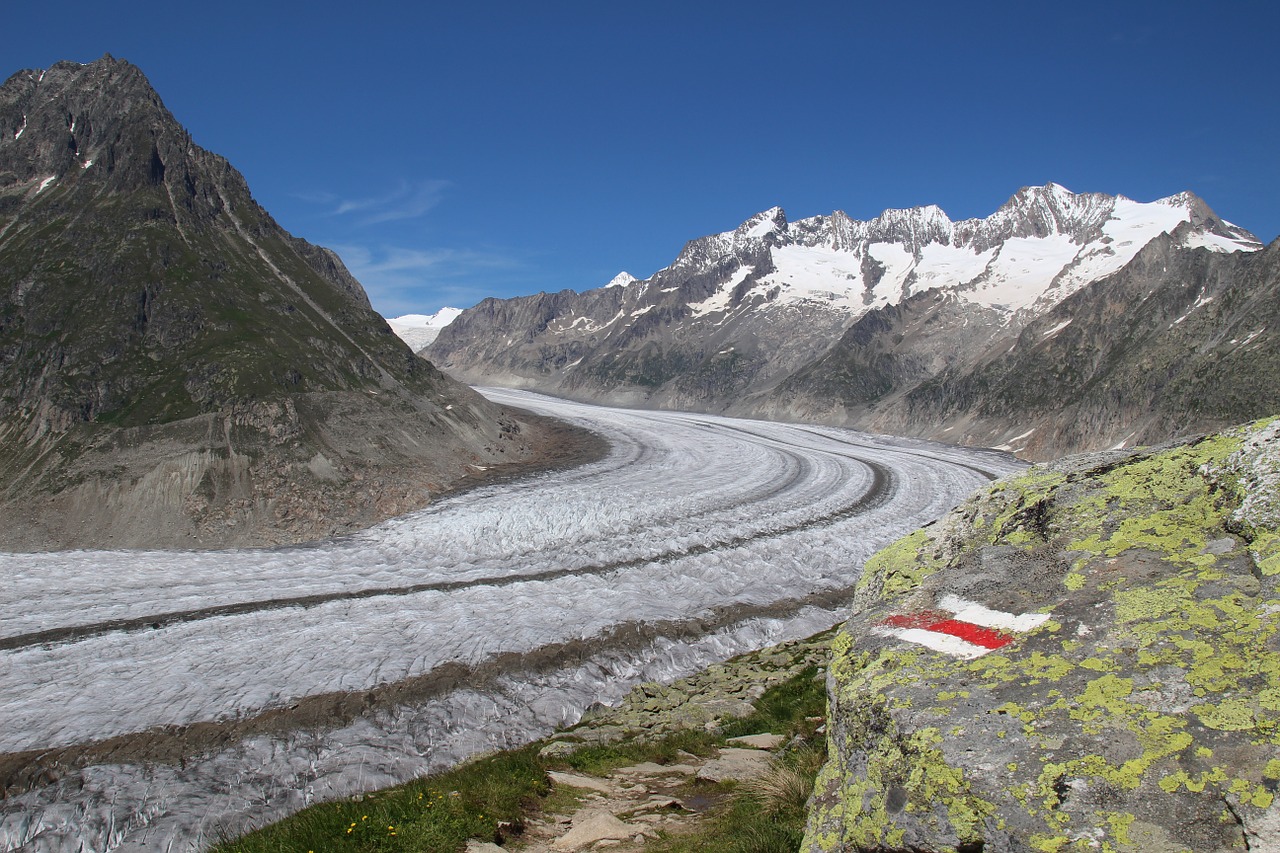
923	619
976	634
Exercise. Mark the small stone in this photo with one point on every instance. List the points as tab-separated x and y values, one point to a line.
591	827
1220	546
735	764
575	780
556	749
475	845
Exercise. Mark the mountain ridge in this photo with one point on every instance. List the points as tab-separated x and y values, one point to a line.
740	317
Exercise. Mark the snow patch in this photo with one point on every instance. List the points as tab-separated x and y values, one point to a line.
1022	270
817	274
948	266
45	183
1217	243
1009	445
719	301
897	263
1252	336
1049	333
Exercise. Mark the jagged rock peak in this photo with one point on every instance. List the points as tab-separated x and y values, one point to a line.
1034	211
764	223
94	118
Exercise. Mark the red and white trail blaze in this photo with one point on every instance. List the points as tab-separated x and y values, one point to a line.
960	628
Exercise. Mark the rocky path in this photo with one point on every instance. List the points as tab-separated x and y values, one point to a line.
627	808
632	805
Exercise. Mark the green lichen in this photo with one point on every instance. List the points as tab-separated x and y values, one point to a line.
903	774
898	568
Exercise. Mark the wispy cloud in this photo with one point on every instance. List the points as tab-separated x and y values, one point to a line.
408	200
403	281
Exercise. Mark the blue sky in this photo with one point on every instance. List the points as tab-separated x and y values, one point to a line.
453	153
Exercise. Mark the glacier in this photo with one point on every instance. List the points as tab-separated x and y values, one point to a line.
485	620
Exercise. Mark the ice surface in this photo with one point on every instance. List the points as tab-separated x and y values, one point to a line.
418	330
688	517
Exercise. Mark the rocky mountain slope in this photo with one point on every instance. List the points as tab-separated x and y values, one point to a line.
834	319
1179	340
178	369
1083	656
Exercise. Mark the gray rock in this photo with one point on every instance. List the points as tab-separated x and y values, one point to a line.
557	749
735	765
760	741
1133	713
591	827
474	845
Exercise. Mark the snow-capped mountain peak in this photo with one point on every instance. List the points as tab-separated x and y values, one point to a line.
763	224
622	279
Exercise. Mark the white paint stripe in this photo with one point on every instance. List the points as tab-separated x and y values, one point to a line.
969	611
944	643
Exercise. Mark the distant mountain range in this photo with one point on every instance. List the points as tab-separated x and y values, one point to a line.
179	370
1061	322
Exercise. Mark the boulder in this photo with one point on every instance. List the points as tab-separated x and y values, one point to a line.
1084	656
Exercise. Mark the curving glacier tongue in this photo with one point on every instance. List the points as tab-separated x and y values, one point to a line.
202	692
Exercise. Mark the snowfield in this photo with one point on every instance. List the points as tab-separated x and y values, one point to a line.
696	538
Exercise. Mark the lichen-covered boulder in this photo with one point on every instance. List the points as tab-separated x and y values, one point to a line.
1085	656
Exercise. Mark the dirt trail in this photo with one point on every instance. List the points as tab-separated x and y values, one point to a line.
623	811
